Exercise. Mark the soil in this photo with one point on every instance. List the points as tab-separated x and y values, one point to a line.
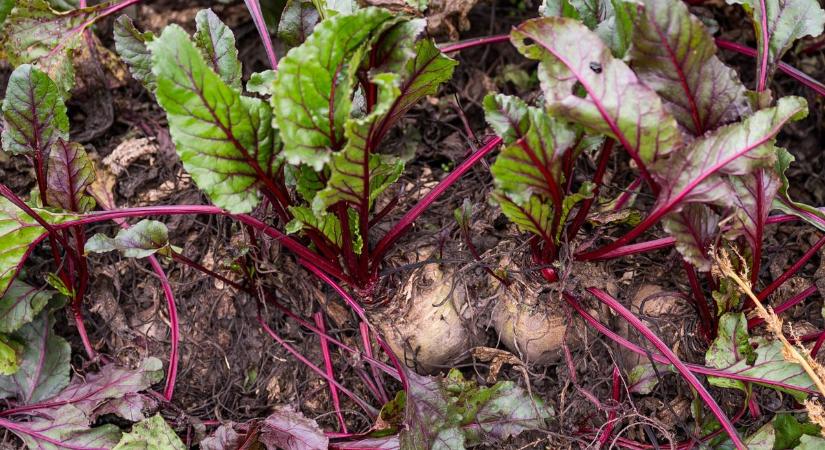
230	370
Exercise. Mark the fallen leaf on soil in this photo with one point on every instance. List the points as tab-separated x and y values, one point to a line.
449	16
128	152
497	358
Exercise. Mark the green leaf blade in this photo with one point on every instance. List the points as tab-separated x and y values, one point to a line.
217	43
145	238
20	305
130	44
225	140
617	103
675	55
314	83
34	113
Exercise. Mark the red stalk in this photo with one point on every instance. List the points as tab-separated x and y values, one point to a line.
581	216
254	8
764	293
611	416
353	396
470	43
786	305
708	325
364	329
336	402
396	231
616	306
172	373
176	210
628	192
793	72
702	370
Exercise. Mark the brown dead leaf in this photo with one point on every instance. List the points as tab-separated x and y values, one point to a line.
128	152
497	358
449	16
399	6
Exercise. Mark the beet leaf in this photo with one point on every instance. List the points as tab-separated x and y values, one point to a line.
70	174
217	43
144	239
777	24
44	363
616	103
453	413
35	33
34	113
314	83
225	140
130	44
151	433
298	19
674	54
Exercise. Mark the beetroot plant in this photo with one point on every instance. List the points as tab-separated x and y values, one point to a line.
698	140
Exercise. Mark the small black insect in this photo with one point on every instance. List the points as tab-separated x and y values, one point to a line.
596	67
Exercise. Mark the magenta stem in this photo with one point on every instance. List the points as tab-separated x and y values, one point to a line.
172	373
470	43
763	63
145	211
786	305
353	396
396	231
364	330
254	8
634	321
702	370
764	293
336	401
793	72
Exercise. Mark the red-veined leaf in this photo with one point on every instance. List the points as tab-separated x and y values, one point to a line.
217	43
34	112
674	54
70	173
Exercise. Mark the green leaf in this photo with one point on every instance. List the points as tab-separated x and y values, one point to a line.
261	82
421	76
783	201
35	33
145	238
217	43
531	161
20	305
696	228
789	431
675	55
451	412
535	216
44	363
34	112
810	443
464	214
611	20
787	21
731	344
314	83
727	297
735	149
69	427
615	102
70	174
5	9
130	44
763	439
358	176
18	232
151	434
325	224
769	365
306	181
225	140
298	20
